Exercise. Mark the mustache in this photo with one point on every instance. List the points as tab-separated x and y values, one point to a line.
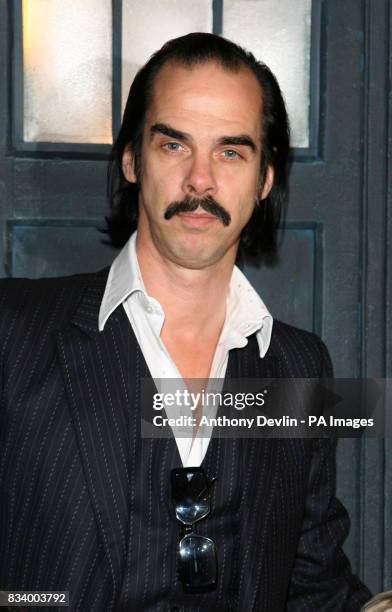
191	204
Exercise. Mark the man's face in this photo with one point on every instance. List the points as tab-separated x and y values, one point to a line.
201	143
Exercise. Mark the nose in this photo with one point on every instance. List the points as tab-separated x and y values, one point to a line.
200	179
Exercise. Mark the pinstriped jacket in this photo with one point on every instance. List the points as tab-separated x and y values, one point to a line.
83	501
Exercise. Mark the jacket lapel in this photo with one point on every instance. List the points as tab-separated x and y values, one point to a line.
261	465
93	365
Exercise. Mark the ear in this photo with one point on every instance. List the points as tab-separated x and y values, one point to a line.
128	165
268	182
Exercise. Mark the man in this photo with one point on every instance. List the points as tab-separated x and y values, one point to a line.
87	504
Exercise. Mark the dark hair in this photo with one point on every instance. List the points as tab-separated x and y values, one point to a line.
259	235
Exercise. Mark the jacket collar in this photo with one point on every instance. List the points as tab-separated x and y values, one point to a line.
85	316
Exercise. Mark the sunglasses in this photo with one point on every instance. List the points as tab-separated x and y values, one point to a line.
196	554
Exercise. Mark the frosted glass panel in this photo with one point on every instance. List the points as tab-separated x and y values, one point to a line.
147	24
278	33
67	62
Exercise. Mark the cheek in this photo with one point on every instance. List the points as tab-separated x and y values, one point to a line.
159	172
247	211
152	182
240	185
247	202
159	190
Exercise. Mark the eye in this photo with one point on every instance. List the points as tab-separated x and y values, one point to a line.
231	154
172	146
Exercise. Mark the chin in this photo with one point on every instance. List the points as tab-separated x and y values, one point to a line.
195	259
195	251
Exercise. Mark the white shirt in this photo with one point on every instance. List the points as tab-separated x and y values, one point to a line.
246	314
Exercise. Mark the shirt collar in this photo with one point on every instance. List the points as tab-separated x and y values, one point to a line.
124	279
246	311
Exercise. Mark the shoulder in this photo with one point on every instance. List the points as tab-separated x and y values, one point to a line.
303	352
44	302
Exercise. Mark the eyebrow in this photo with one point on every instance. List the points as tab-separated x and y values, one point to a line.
162	128
241	139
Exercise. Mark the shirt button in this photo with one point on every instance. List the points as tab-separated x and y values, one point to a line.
149	308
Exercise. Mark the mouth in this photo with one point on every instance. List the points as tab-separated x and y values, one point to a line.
197	219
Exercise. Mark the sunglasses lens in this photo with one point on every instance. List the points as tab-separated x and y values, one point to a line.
197	564
192	502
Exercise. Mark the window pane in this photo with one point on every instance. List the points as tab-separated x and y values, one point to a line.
147	24
279	36
67	63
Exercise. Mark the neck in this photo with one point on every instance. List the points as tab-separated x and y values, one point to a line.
194	301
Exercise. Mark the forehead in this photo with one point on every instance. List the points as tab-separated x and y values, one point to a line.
207	96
